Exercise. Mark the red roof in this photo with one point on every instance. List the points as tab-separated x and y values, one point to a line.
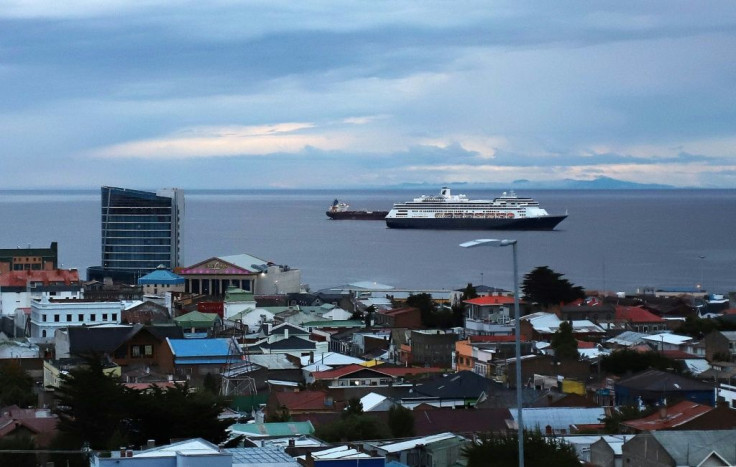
636	314
22	278
303	400
680	413
586	345
398	311
344	371
491	300
678	355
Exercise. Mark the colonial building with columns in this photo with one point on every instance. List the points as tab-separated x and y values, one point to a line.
213	276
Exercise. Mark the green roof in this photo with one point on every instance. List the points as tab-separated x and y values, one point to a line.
234	294
196	319
274	429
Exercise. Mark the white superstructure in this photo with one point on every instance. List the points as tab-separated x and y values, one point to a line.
449	206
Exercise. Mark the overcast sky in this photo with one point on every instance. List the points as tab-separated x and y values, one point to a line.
258	94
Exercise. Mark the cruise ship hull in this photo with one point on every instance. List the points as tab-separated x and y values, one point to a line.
467	223
357	215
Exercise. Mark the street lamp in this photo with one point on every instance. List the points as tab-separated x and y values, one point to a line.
500	243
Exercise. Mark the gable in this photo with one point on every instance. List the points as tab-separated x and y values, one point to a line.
215	265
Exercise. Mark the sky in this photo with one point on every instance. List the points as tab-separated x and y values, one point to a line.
322	94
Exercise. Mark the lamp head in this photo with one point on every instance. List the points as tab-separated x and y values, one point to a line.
489	242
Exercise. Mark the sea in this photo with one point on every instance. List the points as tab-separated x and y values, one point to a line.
613	240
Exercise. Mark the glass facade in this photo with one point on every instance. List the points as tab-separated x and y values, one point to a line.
140	229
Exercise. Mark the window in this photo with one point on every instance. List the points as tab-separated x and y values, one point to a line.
56	318
138	351
104	316
114	316
93	317
43	317
69	318
80	317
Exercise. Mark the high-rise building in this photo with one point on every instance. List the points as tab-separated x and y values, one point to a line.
141	231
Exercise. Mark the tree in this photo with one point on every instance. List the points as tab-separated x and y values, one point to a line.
503	450
401	421
625	361
353	428
354	407
17	443
469	292
564	343
96	409
547	287
16	386
91	405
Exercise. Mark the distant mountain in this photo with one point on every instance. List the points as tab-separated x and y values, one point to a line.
599	183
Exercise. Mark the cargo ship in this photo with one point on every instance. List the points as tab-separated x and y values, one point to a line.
448	211
341	211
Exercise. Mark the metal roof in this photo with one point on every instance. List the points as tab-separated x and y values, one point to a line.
202	347
559	418
261	455
161	276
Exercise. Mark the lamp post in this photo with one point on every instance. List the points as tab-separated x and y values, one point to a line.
500	243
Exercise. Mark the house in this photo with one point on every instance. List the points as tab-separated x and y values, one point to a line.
48	315
195	358
461	389
196	322
405	317
38	424
654	386
668	417
302	402
666	341
591	310
638	319
160	281
29	259
146	312
484	315
189	453
341	456
560	420
438	450
125	345
432	348
720	345
19	287
541	326
675	448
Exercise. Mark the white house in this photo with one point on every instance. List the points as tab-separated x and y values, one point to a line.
49	315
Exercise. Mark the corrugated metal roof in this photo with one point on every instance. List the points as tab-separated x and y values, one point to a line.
201	347
559	418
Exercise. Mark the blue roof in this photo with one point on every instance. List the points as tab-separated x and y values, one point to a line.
219	347
161	276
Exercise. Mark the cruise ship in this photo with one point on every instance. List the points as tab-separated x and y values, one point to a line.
448	211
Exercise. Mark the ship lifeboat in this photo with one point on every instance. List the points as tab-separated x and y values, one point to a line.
510	215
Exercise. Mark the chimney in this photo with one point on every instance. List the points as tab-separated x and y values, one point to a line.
663	412
292	442
150	444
